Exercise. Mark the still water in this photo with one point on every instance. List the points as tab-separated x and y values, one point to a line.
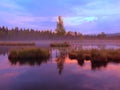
58	73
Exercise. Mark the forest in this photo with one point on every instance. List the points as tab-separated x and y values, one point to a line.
31	34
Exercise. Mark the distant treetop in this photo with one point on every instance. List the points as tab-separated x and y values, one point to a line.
60	30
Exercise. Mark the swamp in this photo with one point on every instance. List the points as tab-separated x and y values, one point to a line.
61	69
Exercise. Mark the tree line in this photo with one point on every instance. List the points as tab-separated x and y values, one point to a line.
31	34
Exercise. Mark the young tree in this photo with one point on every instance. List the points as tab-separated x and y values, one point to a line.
60	30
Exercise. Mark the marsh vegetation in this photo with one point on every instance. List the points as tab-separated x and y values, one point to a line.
29	54
96	55
64	44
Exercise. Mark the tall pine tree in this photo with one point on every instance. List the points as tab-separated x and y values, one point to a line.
60	30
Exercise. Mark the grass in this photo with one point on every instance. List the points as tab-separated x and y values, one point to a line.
65	44
73	54
114	55
29	54
99	55
80	55
16	44
96	55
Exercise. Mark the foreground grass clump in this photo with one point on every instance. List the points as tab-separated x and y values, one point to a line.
73	54
29	53
99	55
96	55
114	55
65	44
16	44
80	55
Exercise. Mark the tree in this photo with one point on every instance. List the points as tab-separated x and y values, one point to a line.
102	35
60	30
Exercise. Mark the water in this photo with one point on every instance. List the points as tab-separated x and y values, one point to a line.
58	73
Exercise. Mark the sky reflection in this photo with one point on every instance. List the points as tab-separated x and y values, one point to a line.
60	73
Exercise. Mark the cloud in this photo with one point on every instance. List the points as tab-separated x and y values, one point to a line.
98	8
10	6
27	21
75	21
14	13
80	15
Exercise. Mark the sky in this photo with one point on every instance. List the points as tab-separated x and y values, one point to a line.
85	16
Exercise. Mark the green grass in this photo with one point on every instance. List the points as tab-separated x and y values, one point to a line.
96	55
16	44
65	44
29	53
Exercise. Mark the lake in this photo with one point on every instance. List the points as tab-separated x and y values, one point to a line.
58	73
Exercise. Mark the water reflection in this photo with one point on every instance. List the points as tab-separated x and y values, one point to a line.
60	58
98	65
95	65
80	62
3	50
31	62
58	55
60	64
75	77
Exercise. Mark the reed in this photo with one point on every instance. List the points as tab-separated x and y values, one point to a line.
96	55
29	53
99	55
113	55
80	55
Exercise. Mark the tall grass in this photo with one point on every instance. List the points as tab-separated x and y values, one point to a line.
96	55
29	53
80	54
99	55
114	55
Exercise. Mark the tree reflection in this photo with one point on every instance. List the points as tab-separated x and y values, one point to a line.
98	65
60	64
60	59
80	62
31	62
